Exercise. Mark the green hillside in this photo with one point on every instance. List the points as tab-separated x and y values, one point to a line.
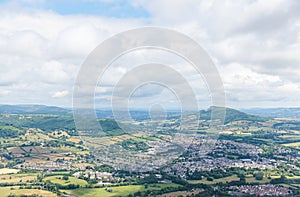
231	115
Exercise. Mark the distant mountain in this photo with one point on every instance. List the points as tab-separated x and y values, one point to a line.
275	112
231	115
33	109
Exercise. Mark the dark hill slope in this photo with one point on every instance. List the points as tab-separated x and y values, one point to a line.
231	115
33	109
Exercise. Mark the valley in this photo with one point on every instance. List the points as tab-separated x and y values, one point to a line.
42	154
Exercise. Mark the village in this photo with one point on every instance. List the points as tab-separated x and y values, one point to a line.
260	190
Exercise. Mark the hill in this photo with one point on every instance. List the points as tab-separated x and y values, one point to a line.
231	115
50	118
12	125
33	109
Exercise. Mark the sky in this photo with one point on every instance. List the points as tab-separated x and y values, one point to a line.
255	44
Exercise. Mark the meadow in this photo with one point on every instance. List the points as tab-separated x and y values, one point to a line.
71	180
6	191
116	191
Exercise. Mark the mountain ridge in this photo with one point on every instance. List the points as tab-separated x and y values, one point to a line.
231	114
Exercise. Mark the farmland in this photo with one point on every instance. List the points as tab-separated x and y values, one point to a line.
71	180
104	192
50	161
115	191
6	191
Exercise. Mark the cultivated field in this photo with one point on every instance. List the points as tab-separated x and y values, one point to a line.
59	180
8	171
5	191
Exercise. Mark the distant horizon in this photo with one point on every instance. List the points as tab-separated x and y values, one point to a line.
144	109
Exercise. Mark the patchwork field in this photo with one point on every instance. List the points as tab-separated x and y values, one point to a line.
5	191
115	191
182	193
294	144
8	171
28	149
72	180
15	178
102	192
215	181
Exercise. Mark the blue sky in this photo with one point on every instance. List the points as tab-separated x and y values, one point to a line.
115	9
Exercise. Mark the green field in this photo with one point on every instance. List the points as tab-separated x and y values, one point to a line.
101	192
8	171
215	181
115	191
294	144
15	178
253	180
60	181
182	193
5	191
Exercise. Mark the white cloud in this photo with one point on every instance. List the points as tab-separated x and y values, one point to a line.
4	92
76	41
41	52
60	94
255	44
54	72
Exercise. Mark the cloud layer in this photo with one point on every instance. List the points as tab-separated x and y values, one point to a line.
255	45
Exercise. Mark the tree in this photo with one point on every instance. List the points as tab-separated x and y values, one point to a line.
259	176
210	179
65	177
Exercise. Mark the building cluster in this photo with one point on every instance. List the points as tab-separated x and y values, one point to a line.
236	148
104	178
260	190
209	163
93	174
49	165
195	161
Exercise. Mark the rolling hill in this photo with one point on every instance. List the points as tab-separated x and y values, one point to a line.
33	109
231	115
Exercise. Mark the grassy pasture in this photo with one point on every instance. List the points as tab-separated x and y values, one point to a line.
5	191
16	178
294	144
37	136
101	192
28	149
215	181
110	140
60	181
8	171
251	179
74	139
182	193
115	191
